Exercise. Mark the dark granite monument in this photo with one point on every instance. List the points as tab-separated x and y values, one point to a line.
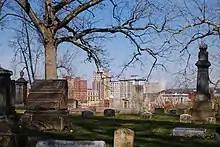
202	107
109	112
46	105
9	130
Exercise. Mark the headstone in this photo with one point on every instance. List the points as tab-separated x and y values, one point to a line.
210	120
63	143
10	133
109	112
159	110
21	92
180	111
47	104
185	118
202	107
123	138
189	132
172	111
87	113
146	115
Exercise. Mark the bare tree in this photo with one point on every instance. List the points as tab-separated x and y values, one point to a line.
66	63
78	22
28	51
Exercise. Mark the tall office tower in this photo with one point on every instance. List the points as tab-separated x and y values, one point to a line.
101	83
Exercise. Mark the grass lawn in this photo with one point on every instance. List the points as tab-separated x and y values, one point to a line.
148	133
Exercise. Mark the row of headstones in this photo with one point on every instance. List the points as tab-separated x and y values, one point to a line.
125	138
111	113
107	113
187	118
122	138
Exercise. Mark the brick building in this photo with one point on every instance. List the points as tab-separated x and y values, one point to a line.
77	89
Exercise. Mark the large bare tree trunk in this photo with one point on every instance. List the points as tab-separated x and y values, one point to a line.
50	60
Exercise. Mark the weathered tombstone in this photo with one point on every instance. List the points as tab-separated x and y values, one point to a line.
63	143
159	110
189	132
202	107
172	111
123	138
210	120
109	112
21	92
146	115
87	113
46	105
180	111
10	135
185	118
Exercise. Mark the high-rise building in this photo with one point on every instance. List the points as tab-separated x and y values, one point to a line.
101	83
115	89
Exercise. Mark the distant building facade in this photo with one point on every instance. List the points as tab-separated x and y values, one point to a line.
92	97
101	84
175	97
77	89
127	95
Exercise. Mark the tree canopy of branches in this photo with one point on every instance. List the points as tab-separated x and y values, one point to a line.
154	27
84	24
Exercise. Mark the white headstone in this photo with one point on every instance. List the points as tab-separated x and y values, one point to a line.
63	143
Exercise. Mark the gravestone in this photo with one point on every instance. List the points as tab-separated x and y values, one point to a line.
46	105
10	132
146	115
185	118
189	132
210	120
202	107
123	138
63	143
172	111
109	112
180	111
159	110
21	92
87	113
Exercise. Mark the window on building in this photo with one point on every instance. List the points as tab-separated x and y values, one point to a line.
126	104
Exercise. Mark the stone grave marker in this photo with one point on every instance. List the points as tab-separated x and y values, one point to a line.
46	105
146	115
172	111
185	118
109	112
210	120
159	110
124	138
87	113
189	132
63	143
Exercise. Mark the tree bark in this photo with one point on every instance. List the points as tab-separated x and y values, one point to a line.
50	59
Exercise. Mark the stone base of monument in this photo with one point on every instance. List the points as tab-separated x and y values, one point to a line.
47	120
202	110
9	134
13	140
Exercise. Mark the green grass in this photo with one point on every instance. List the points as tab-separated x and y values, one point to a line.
148	133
